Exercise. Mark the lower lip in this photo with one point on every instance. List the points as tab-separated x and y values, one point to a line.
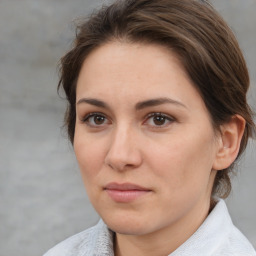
126	196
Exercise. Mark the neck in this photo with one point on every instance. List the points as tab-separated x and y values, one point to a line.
163	241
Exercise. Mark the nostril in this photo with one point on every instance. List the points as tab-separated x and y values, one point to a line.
121	162
123	153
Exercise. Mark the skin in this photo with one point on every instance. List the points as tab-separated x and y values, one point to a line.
174	156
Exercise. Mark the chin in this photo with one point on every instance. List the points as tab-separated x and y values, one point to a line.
127	225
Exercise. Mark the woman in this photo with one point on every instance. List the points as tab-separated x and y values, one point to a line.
157	116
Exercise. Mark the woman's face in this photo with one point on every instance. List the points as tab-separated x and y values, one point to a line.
143	139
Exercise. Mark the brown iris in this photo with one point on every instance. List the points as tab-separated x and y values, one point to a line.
159	120
99	119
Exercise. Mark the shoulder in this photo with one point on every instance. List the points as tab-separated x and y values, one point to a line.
235	244
230	239
217	236
72	245
84	243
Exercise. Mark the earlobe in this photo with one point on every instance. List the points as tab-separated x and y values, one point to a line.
229	144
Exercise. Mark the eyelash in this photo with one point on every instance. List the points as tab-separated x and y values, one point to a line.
86	119
150	116
161	115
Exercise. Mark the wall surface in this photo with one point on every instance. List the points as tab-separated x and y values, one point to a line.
41	194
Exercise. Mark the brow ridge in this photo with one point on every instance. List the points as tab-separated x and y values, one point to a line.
139	106
94	102
156	102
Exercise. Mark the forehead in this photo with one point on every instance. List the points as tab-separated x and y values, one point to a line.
139	71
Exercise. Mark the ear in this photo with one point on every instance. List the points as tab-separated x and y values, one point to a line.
229	142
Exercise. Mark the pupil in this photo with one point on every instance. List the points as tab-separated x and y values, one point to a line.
99	119
159	120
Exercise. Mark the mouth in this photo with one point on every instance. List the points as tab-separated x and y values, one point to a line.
125	192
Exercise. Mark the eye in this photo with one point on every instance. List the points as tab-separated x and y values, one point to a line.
159	120
95	119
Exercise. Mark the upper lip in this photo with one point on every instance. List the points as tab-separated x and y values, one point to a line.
124	186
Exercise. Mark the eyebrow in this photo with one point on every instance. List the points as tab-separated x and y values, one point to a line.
157	102
94	102
139	106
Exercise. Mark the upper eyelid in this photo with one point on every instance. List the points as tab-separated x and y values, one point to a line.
91	114
160	114
94	113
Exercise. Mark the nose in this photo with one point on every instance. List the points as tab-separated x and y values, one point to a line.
123	153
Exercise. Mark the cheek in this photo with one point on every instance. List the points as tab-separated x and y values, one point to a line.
182	171
183	161
89	154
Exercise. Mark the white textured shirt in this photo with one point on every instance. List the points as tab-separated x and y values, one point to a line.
217	236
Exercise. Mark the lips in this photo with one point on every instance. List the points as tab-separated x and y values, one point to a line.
125	192
124	186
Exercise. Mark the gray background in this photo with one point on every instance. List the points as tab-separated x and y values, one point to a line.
42	199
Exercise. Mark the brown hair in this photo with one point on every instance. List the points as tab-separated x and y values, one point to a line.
193	30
